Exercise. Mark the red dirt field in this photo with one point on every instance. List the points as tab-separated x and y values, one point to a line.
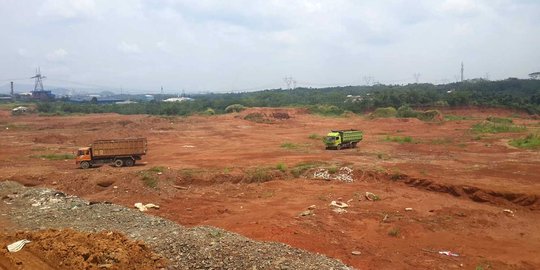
222	171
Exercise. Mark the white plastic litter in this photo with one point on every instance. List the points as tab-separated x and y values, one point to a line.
448	253
144	207
16	246
339	204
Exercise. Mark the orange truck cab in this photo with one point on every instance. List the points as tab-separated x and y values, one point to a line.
83	154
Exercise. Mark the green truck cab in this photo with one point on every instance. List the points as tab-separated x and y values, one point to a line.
338	139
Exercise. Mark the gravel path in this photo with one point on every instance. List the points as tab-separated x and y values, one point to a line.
186	248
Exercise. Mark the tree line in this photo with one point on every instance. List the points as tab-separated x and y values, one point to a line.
510	93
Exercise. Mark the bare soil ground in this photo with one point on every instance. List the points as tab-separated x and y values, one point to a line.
223	171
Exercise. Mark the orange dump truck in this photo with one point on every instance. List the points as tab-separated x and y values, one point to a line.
120	152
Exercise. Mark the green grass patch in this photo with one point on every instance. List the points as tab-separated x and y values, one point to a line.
56	156
149	179
157	169
259	175
500	120
531	141
490	127
315	136
440	141
399	139
290	145
281	167
301	168
332	169
187	174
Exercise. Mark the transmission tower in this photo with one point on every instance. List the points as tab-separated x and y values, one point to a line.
38	84
416	77
289	81
368	80
462	71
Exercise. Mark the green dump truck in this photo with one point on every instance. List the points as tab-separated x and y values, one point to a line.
338	139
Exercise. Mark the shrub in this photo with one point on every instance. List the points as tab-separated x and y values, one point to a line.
531	141
326	110
235	108
384	112
315	136
430	115
209	111
406	112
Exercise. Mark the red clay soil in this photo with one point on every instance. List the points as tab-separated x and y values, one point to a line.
215	171
69	249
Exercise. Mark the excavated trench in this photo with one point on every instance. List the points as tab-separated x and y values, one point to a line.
473	193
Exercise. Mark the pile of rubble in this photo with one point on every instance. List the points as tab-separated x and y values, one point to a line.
344	174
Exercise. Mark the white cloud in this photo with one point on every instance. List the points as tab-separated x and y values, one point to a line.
130	48
461	8
67	9
57	55
23	52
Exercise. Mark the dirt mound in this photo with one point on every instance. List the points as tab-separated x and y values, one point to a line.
69	249
266	116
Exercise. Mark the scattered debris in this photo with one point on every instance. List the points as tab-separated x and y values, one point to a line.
188	146
509	212
448	253
385	218
339	210
339	204
312	207
307	213
355	252
372	196
408	209
344	174
145	207
16	246
180	187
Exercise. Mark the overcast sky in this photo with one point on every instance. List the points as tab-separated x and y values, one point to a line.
219	46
